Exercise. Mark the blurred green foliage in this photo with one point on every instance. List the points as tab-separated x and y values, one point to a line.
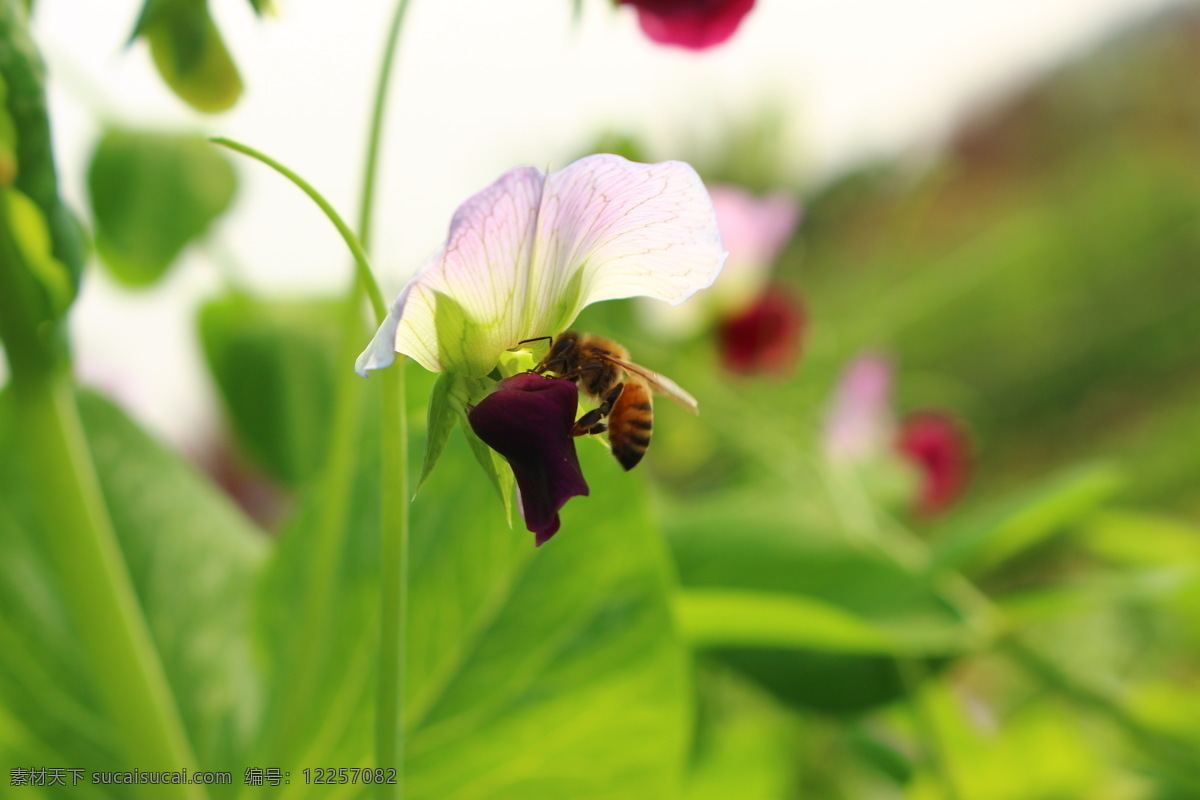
742	616
152	195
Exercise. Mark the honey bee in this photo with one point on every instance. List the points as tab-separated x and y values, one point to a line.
603	370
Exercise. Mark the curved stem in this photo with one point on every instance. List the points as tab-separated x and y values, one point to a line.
362	265
370	166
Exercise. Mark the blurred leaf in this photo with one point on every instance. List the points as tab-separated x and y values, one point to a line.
532	672
187	49
152	195
1141	539
23	74
745	745
8	139
713	618
1014	525
192	558
758	542
1040	752
273	363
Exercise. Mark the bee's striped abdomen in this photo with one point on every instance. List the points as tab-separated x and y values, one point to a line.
630	424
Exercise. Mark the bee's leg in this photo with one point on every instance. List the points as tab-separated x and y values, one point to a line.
590	421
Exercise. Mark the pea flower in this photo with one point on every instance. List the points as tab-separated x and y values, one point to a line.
694	24
522	258
862	430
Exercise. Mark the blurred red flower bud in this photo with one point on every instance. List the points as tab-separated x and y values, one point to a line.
695	24
937	444
765	336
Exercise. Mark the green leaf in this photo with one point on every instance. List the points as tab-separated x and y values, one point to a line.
152	195
532	672
193	560
1141	539
493	464
714	618
820	594
189	53
445	408
23	75
1012	526
273	363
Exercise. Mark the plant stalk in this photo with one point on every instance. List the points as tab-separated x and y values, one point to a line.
95	583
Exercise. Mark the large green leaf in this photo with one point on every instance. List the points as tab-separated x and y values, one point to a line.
273	363
192	558
549	672
824	615
152	195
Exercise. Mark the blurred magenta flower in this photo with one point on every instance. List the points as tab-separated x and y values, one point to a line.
528	420
695	24
525	255
937	444
861	430
765	336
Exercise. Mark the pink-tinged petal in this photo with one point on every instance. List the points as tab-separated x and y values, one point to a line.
861	421
610	228
695	24
524	256
765	337
754	230
937	444
528	420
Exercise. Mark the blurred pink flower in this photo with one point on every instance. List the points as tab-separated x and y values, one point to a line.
695	24
861	428
754	230
937	444
861	421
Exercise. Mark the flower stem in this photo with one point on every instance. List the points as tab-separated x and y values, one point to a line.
362	266
389	723
370	166
389	714
82	545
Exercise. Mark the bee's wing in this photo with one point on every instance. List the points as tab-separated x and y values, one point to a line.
659	383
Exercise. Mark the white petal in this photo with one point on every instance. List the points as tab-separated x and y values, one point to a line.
526	254
611	228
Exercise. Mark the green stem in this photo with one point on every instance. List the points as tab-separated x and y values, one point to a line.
389	725
389	731
95	583
361	264
370	166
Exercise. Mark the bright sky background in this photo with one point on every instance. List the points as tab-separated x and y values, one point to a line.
484	85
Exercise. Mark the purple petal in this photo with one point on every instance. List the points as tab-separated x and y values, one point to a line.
528	420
